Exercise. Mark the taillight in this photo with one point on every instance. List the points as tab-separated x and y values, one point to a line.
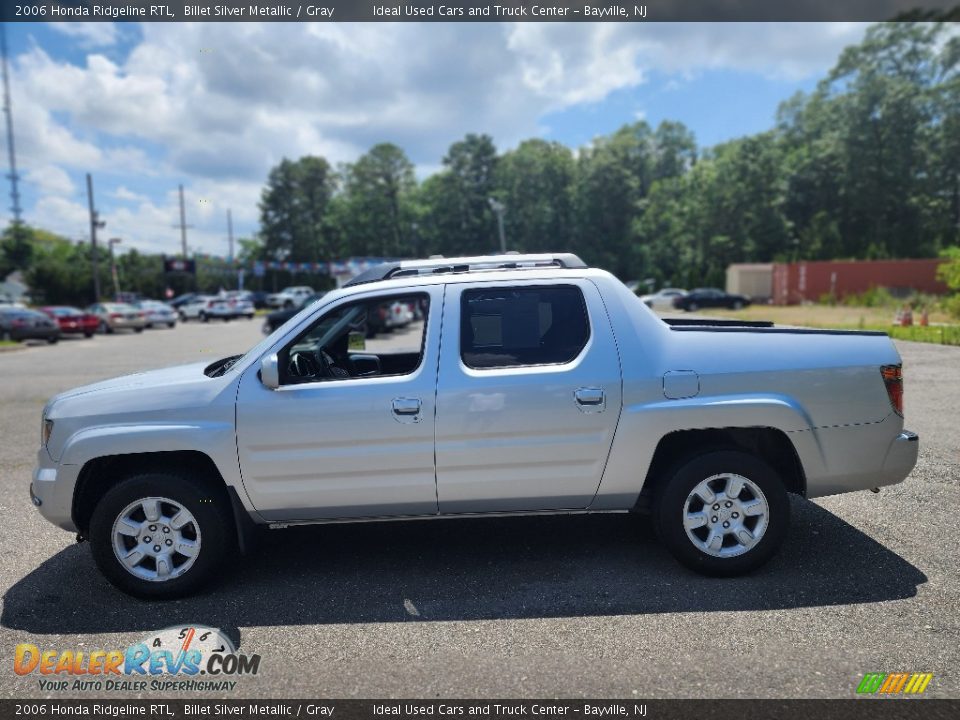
893	379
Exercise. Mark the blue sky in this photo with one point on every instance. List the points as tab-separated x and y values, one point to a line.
214	106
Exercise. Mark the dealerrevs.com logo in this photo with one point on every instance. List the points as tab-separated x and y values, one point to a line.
179	658
894	683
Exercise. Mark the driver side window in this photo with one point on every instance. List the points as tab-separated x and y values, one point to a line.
376	337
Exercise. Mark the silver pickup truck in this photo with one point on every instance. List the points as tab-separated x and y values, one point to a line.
525	384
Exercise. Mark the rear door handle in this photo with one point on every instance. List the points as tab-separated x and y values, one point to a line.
406	406
590	399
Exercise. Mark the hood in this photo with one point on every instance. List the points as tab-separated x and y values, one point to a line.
171	380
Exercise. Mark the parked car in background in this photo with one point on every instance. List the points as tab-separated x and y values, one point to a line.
205	308
181	300
279	317
399	314
709	298
71	320
157	313
22	324
129	298
117	316
259	299
663	298
290	297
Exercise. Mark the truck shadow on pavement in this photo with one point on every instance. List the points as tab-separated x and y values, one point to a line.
469	570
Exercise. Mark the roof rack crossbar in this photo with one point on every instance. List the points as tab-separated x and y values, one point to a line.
437	266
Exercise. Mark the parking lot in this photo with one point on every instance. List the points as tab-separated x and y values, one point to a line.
547	607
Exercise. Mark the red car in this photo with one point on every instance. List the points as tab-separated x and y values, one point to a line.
72	320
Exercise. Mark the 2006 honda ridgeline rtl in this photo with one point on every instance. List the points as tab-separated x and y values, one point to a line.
526	384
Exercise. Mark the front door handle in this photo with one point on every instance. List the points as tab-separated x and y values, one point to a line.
590	399
406	406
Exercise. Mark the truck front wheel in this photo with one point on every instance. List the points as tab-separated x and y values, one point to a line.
723	513
160	536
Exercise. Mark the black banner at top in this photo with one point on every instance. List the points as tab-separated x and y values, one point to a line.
476	10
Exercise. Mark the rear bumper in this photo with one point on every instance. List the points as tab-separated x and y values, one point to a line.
901	458
859	457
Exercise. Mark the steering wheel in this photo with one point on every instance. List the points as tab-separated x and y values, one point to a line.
304	365
324	362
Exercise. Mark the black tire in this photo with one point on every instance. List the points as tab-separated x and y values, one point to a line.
209	509
138	330
53	340
692	307
737	304
183	318
288	304
105	328
5	336
204	318
171	325
670	506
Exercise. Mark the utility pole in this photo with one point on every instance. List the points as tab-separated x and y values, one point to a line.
183	225
8	112
499	208
230	235
95	222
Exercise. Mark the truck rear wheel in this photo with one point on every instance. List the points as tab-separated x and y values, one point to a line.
723	513
160	536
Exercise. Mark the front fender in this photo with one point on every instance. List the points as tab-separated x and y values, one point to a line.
214	439
209	438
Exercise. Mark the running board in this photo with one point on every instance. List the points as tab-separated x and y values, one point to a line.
438	516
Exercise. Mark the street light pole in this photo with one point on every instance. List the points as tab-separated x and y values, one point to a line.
499	208
95	223
113	267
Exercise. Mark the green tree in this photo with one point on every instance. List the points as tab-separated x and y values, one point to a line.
293	210
614	175
455	203
536	183
374	213
16	250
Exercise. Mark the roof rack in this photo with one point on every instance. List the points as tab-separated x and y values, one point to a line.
441	265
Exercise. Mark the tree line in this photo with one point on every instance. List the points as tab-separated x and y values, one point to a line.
865	166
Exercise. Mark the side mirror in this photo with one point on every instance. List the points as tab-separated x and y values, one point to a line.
270	371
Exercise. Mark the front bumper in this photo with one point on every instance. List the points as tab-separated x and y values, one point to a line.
51	491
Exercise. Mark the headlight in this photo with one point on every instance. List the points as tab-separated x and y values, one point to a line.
45	431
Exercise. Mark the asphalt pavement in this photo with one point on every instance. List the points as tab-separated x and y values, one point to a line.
577	606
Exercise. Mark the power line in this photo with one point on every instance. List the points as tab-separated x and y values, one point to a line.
8	112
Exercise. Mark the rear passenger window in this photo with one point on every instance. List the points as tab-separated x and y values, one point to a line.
513	327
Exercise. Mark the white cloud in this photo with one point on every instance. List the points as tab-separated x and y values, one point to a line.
216	105
50	180
88	34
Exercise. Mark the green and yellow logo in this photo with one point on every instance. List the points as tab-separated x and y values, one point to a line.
894	683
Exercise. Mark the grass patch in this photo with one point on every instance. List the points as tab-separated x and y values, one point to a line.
841	317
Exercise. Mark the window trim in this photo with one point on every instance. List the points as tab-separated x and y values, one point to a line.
284	349
524	288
